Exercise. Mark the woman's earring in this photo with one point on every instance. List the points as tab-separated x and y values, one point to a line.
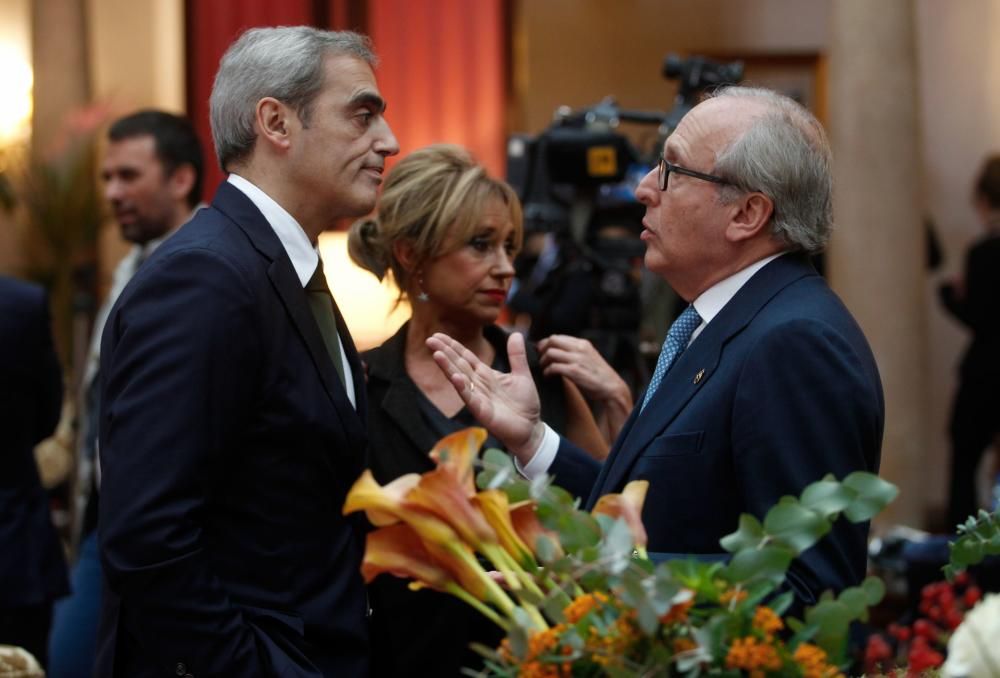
421	296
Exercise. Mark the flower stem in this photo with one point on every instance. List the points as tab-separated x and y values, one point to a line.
486	610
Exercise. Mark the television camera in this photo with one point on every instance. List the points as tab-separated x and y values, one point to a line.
581	271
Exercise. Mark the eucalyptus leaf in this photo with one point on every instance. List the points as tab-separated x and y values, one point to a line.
781	604
873	495
874	589
649	621
749	534
769	564
795	525
827	497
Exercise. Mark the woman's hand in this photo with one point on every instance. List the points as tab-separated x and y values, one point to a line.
577	360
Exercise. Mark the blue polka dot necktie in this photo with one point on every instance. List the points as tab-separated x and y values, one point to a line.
676	341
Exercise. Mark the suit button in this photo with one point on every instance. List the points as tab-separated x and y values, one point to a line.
181	669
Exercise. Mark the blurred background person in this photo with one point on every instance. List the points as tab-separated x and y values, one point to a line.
973	297
152	173
32	564
448	232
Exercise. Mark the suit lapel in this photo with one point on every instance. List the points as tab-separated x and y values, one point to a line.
232	202
694	368
386	363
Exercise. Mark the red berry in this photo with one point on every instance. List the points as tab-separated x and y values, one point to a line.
972	596
962	578
925	629
935	613
953	618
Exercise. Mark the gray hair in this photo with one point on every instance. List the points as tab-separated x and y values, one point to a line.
285	63
786	156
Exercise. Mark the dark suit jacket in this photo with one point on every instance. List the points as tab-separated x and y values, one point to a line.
32	566
778	390
228	446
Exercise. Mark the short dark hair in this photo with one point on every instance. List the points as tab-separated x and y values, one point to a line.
174	138
988	183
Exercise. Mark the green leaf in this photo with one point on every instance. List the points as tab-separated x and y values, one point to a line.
616	547
832	620
648	619
873	495
874	589
749	535
855	601
769	564
781	604
827	497
795	525
545	549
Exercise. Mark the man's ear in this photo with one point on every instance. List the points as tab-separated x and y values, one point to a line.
275	122
751	215
181	182
404	253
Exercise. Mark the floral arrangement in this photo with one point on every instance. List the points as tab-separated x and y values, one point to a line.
922	644
577	594
956	630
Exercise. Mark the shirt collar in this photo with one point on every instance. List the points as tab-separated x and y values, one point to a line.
710	302
303	253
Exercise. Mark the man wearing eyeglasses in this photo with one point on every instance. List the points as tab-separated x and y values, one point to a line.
765	382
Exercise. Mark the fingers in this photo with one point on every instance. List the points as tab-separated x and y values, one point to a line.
517	355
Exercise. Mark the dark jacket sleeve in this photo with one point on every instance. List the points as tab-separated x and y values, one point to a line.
178	360
50	390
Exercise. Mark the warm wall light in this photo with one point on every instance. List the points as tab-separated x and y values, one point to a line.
15	83
366	304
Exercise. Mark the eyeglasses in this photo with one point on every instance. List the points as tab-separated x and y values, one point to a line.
663	174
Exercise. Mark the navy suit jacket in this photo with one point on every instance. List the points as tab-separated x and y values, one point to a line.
228	445
32	566
779	389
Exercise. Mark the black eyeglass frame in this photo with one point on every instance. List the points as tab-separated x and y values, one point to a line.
665	168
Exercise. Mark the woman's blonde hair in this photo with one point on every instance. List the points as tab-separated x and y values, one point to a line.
433	198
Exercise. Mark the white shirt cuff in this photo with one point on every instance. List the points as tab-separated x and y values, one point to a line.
544	455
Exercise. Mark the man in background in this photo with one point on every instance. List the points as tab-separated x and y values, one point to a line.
233	405
152	174
32	566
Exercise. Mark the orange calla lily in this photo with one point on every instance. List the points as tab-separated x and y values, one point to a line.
397	549
440	494
528	527
628	506
381	503
496	509
456	453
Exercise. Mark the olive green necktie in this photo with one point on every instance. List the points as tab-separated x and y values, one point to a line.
321	303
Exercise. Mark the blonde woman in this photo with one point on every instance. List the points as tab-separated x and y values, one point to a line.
447	233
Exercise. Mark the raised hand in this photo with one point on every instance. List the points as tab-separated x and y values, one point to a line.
506	404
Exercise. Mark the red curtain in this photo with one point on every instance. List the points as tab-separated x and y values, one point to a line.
443	73
442	64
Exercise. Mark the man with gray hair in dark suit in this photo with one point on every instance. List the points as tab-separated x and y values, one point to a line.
233	408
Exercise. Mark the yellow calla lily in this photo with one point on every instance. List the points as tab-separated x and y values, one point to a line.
456	453
628	506
381	503
496	509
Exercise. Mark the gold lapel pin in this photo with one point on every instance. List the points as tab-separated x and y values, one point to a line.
697	377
